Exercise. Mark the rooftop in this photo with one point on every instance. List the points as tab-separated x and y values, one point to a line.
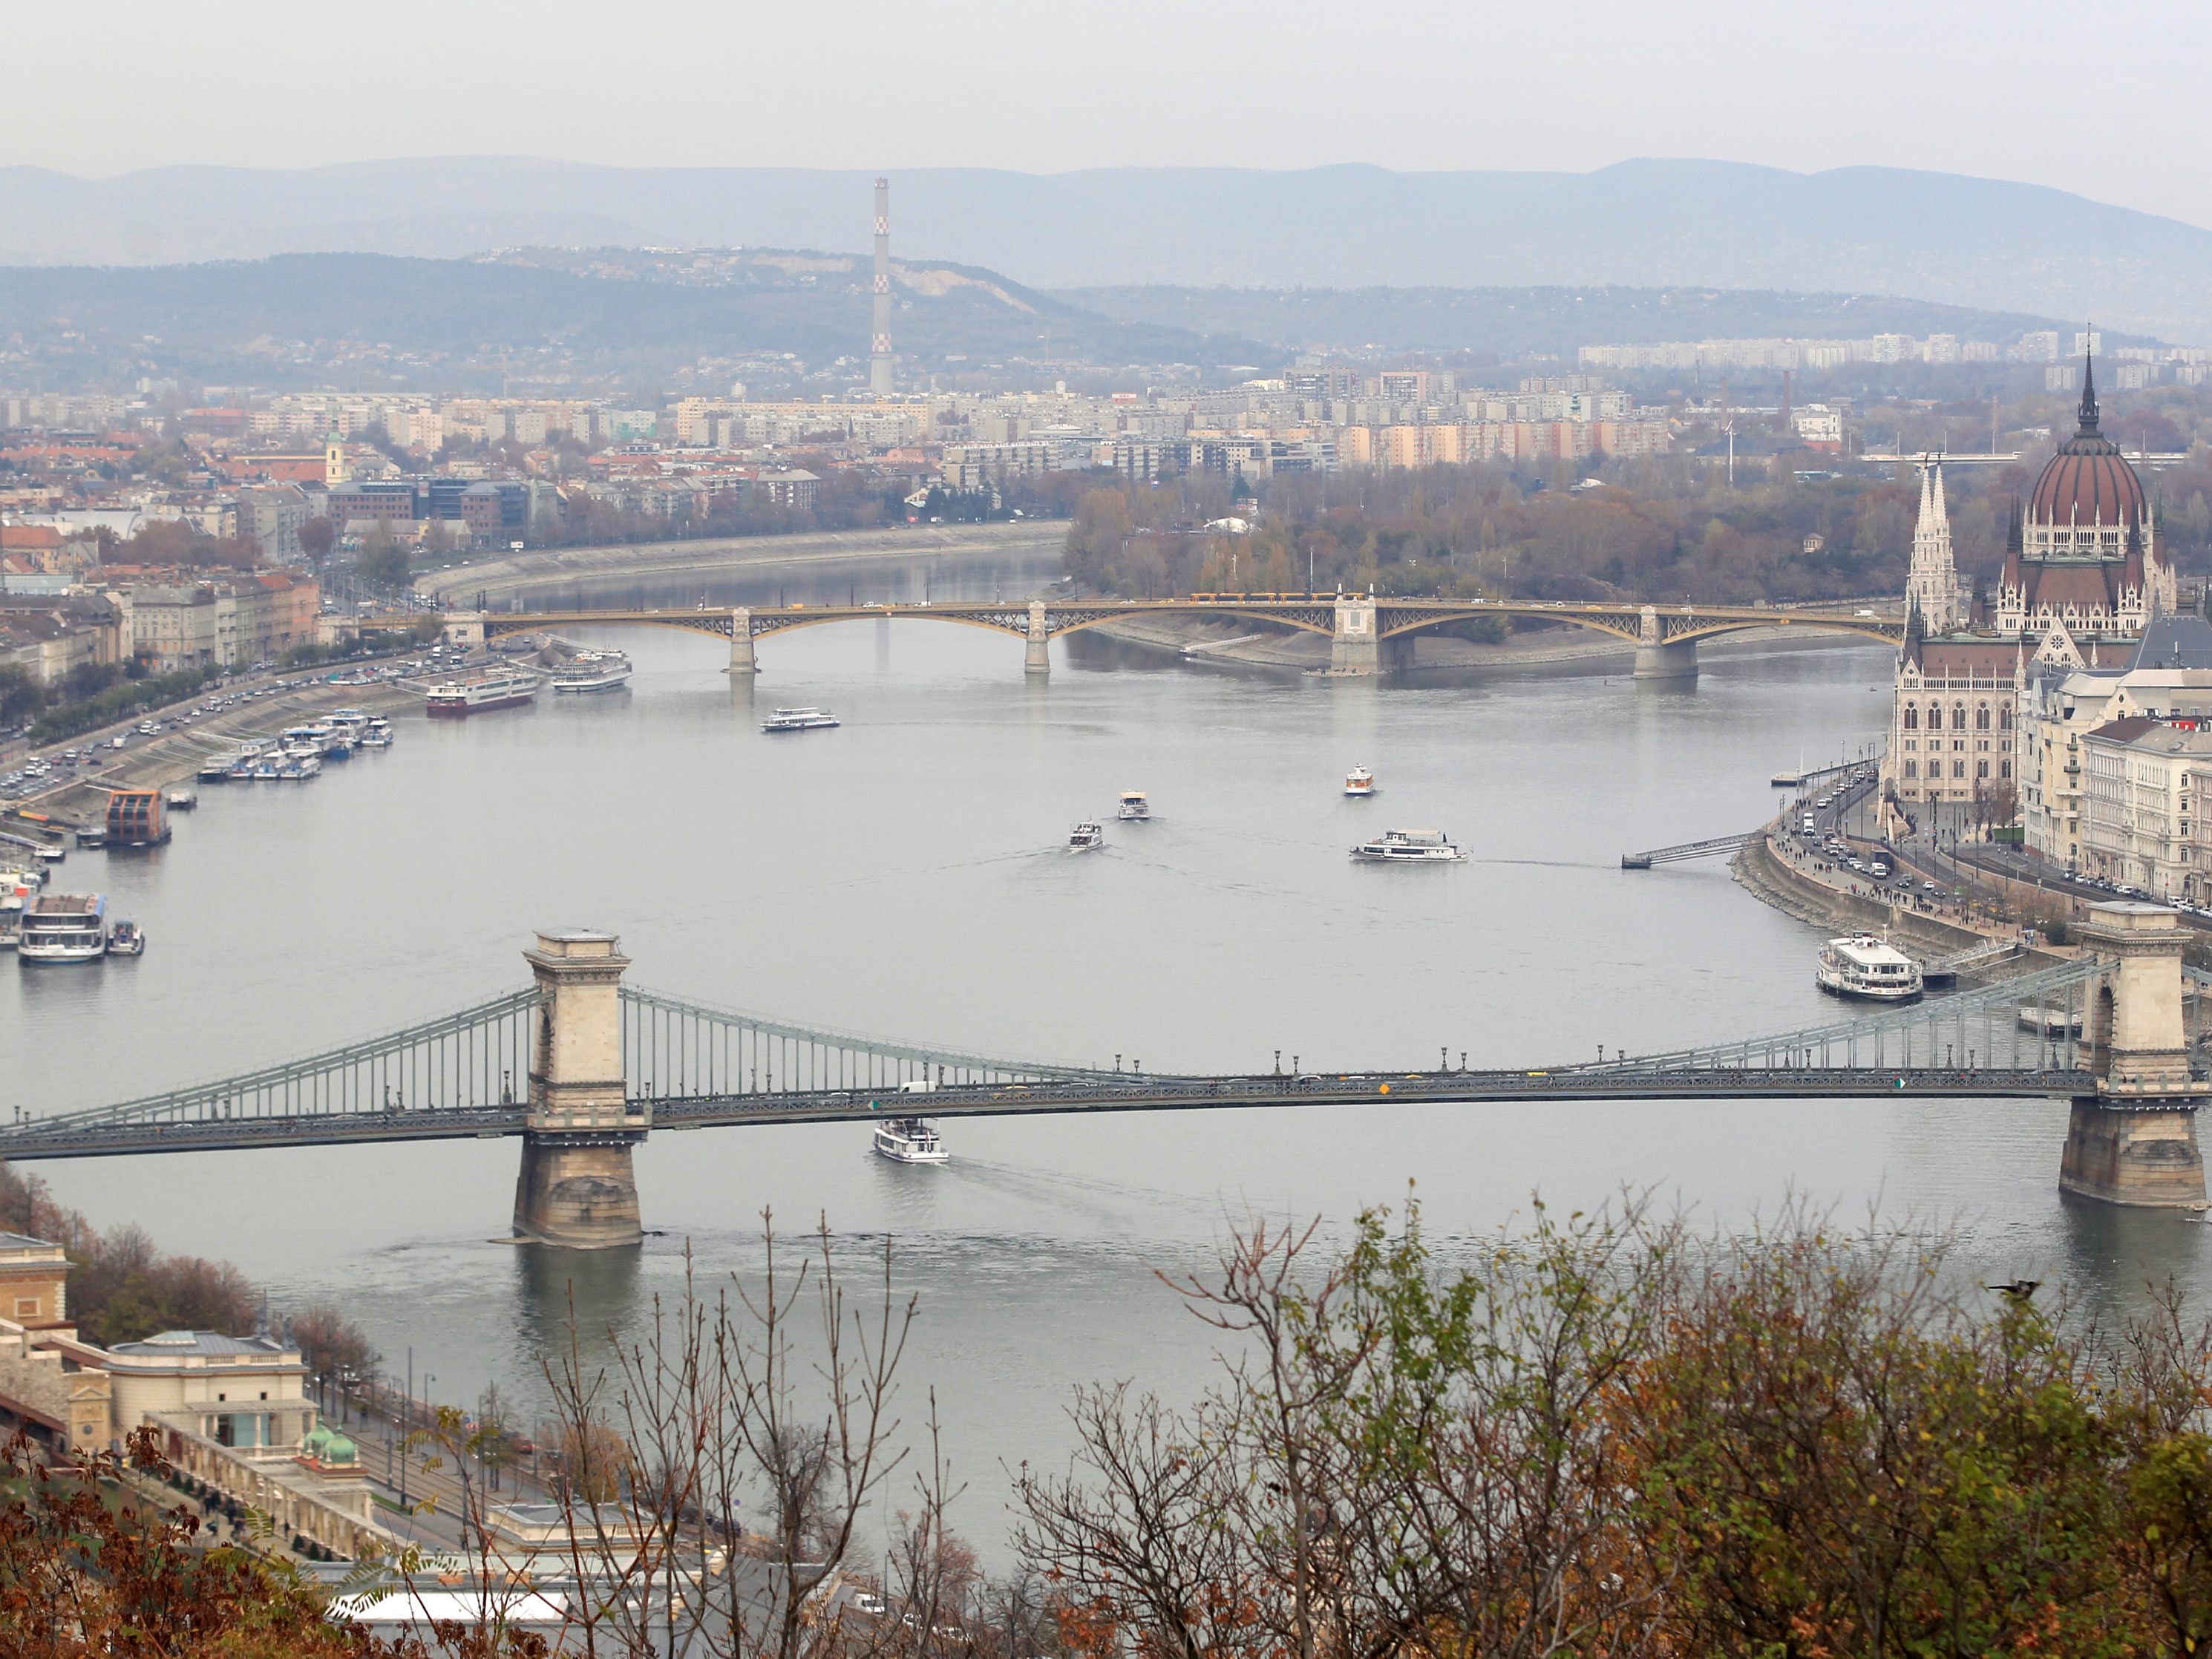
2180	640
204	1344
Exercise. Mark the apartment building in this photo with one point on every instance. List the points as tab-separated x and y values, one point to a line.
2144	784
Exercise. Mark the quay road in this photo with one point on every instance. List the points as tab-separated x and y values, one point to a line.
23	1140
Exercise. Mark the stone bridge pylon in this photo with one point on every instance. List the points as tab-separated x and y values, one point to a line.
577	1186
2134	1142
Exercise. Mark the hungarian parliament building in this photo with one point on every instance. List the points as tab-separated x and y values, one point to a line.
1992	700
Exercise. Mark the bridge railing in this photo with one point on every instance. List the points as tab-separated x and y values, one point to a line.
476	1057
674	1047
2035	1022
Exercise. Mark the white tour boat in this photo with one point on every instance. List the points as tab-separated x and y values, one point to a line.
909	1141
592	670
1359	782
799	720
1868	967
64	927
1134	805
1409	847
496	688
378	734
126	939
1087	837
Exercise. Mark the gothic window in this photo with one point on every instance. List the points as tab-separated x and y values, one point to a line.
1912	717
1981	717
2004	718
1958	768
1958	718
1981	768
1912	768
1935	717
2005	768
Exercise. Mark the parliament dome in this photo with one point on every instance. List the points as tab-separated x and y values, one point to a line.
2088	482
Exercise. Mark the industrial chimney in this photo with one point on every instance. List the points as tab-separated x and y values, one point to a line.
879	349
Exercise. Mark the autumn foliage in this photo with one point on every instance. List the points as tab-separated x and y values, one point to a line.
1611	1437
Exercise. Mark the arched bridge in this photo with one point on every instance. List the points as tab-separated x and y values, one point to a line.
1361	629
582	1067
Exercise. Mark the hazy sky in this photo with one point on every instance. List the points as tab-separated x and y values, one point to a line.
2103	99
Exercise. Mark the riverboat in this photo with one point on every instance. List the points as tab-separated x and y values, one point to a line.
909	1141
1134	805
1409	847
378	734
1867	969
219	768
61	927
496	688
126	939
1359	782
800	719
1086	838
178	801
592	670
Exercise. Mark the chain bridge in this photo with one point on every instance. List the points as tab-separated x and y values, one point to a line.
1366	634
581	1067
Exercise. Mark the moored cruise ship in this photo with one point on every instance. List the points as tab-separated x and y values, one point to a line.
1869	968
64	927
495	687
592	670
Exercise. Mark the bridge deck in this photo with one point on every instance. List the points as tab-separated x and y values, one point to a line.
1065	1096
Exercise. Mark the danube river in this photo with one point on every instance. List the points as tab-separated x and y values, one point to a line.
906	875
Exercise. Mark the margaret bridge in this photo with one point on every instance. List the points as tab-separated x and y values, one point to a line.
581	1067
1366	635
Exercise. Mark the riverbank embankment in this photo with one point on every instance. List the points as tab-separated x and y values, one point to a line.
544	570
175	756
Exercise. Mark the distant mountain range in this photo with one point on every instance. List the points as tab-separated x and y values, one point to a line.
1940	237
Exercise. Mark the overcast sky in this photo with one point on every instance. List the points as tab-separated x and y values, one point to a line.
2106	100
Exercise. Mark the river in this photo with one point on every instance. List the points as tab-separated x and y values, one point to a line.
905	875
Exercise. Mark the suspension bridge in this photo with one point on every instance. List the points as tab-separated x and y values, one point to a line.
1366	634
582	1067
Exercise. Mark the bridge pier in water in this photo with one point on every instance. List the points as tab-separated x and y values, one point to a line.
741	643
1354	648
576	1186
1036	656
2134	1141
1658	658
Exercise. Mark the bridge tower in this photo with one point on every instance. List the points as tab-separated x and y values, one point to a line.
2135	1141
1659	658
1036	658
741	643
577	1186
1354	647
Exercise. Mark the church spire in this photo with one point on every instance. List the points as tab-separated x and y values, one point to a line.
2088	411
1931	585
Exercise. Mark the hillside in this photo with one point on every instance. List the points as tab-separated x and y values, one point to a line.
1660	223
1514	322
365	319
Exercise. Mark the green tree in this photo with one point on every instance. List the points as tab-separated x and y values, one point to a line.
21	695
